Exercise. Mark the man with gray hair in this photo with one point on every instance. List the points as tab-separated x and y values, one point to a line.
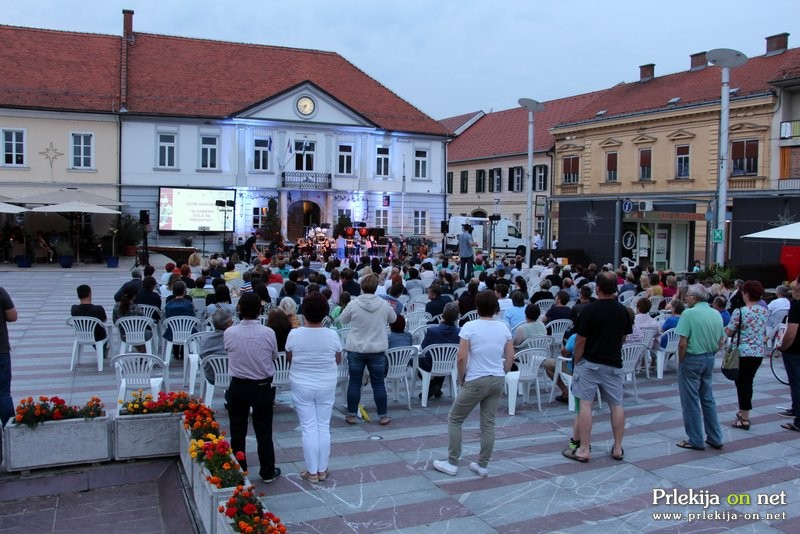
136	281
445	332
701	337
213	342
779	307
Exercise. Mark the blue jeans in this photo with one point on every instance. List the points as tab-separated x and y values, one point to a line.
792	364
6	404
694	385
376	364
465	269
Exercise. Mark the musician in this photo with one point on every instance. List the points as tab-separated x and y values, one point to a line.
403	247
371	246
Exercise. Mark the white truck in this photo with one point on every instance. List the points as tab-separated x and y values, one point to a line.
501	235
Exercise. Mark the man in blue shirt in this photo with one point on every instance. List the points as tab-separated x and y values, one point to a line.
465	252
179	305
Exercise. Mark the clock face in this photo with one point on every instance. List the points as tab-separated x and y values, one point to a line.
305	105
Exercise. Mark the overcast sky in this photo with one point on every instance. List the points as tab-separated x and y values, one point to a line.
449	57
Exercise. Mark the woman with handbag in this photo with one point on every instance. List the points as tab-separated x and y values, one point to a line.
748	328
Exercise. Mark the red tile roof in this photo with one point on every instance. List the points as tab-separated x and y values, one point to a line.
693	87
452	124
177	76
504	133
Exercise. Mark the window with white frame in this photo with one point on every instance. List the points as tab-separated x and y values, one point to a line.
645	163
421	164
515	179
82	152
516	218
382	161
420	222
382	219
495	180
540	177
167	147
540	224
464	186
345	159
611	166
209	148
304	155
682	161
570	165
449	184
343	212
262	146
260	216
13	147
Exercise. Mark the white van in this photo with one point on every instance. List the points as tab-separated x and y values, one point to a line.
506	238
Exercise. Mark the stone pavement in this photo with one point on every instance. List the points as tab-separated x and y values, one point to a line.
381	477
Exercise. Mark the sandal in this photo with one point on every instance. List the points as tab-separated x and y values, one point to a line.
619	457
351	419
744	424
562	398
323	475
790	426
686	445
309	477
572	455
385	420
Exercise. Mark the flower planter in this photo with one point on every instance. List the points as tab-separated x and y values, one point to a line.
147	435
23	262
207	498
112	262
129	250
65	261
189	464
54	443
223	524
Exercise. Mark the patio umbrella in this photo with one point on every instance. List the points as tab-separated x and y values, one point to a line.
789	232
77	207
10	208
66	195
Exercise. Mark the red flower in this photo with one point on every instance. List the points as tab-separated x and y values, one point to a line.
57	415
249	508
240	455
230	512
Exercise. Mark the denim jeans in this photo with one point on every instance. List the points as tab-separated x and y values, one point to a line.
376	364
485	391
697	399
792	364
6	404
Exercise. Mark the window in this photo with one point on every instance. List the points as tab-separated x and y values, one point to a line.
464	182
382	161
682	161
420	222
421	164
515	179
261	149
382	219
571	164
645	164
480	181
744	155
449	183
82	151
516	218
540	224
259	216
167	145
611	167
208	152
345	165
304	155
495	181
540	177
13	147
344	213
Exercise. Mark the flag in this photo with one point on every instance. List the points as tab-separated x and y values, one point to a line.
288	154
269	143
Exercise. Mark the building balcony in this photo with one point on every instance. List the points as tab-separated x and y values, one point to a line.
790	129
306	180
746	183
785	184
569	189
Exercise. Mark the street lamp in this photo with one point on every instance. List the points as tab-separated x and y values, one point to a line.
532	106
727	59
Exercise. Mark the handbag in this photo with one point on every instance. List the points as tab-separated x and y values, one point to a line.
730	359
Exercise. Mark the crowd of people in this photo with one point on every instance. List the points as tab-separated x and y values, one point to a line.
286	304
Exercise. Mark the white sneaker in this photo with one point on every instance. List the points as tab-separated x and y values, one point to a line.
443	466
481	471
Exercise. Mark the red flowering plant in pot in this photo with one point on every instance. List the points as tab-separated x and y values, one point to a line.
247	514
215	453
199	420
172	402
31	413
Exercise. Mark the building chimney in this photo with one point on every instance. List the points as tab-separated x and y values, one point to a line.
647	72
777	44
698	61
127	25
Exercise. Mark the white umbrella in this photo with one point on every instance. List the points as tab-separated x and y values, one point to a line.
789	232
10	208
67	195
76	207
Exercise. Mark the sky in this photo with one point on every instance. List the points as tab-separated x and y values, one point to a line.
449	57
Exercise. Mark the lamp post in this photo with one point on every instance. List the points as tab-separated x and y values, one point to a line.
532	106
726	59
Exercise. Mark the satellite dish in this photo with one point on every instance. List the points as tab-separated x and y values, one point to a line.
725	57
530	104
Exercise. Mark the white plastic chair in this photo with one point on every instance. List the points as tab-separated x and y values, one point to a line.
135	330
625	295
222	376
280	380
545	305
528	362
343	375
557	329
469	316
662	354
153	312
443	356
413	306
567	379
632	354
191	357
418	334
398	369
181	326
537	342
84	335
415	292
136	370
458	292
413	320
343	332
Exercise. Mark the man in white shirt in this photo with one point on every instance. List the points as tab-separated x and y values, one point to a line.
781	301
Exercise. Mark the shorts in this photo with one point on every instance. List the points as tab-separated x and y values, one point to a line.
588	376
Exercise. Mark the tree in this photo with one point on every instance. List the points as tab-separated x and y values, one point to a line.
343	222
271	228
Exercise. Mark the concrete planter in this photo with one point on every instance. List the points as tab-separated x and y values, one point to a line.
208	498
189	465
54	443
147	435
223	524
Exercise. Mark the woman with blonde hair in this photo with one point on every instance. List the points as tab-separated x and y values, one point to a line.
195	262
289	307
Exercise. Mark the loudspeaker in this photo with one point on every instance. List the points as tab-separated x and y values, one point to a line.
443	227
144	217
